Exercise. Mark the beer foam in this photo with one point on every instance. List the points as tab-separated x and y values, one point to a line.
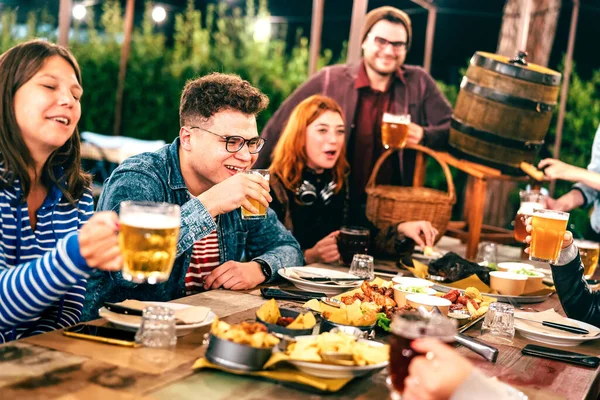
151	221
396	119
527	208
551	214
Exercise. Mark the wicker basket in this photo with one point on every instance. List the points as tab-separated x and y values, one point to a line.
387	204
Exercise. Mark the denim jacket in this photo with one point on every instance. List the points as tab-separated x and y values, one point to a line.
157	177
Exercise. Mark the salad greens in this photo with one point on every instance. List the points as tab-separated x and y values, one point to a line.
413	289
524	271
383	322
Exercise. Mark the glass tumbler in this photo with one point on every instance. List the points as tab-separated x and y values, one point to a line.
363	267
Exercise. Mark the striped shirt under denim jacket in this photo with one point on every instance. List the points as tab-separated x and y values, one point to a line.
42	273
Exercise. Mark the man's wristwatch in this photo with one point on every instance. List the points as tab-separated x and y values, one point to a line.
265	268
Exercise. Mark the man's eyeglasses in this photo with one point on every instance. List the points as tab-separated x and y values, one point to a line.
382	44
233	144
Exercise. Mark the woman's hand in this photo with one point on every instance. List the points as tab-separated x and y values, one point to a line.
556	169
99	242
437	374
416	230
325	251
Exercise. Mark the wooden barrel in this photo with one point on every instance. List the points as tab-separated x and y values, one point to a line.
503	111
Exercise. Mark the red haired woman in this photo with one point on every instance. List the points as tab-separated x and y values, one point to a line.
309	188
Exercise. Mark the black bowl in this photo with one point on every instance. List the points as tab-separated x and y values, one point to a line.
327	325
286	312
236	356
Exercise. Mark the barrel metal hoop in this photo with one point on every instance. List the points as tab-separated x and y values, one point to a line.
515	71
490	137
503	98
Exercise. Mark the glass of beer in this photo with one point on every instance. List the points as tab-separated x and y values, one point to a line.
262	210
352	240
148	240
547	234
394	130
589	252
530	201
406	327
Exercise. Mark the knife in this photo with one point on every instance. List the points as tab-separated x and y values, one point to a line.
119	309
556	325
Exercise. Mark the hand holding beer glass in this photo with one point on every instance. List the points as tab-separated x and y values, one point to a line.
406	327
148	240
394	130
548	230
262	210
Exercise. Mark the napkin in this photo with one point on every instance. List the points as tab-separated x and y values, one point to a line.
183	316
284	374
552	316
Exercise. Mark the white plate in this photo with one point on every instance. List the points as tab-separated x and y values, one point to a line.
181	330
557	339
328	289
338	371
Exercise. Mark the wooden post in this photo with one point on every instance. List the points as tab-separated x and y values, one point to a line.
128	26
359	11
429	36
316	27
64	21
564	92
524	24
430	32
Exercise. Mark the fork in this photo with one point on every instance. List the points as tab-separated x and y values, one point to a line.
516	305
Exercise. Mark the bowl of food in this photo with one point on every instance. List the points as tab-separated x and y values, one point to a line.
285	320
508	283
409	281
534	281
246	346
429	302
508	266
400	292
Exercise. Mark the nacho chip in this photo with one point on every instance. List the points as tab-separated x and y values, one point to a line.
269	312
303	321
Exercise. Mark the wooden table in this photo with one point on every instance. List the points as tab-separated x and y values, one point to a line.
83	369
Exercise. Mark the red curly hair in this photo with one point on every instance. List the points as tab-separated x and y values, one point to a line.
289	156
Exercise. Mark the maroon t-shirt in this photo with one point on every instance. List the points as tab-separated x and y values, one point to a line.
365	140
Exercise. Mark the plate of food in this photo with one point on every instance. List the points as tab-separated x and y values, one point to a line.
313	279
522	299
187	317
336	355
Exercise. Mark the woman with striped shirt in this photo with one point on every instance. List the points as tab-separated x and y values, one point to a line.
46	251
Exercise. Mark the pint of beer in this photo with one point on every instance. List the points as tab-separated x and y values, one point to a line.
547	234
394	130
530	201
262	210
589	252
148	240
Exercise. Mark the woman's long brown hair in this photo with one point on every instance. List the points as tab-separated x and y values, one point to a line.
17	66
289	156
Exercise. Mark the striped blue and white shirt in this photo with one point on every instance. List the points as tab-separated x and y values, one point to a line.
42	274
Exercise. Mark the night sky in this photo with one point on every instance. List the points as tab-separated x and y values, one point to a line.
463	27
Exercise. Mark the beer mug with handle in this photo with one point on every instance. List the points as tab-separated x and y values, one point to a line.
148	240
531	200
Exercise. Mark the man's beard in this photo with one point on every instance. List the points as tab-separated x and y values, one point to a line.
383	74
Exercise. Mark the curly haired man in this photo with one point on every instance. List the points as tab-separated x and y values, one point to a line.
201	171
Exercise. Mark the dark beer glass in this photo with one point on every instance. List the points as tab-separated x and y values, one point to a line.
406	327
352	240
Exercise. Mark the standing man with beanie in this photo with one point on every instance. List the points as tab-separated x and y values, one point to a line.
379	83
